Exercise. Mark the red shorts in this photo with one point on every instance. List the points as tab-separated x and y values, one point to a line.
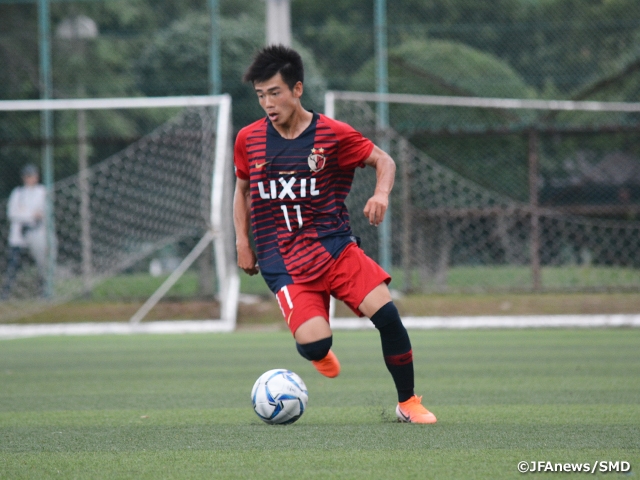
351	277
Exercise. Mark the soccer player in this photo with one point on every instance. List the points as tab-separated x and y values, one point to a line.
294	170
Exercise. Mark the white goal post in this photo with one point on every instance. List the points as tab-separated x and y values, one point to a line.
219	229
478	102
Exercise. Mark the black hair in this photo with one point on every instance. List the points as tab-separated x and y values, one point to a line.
275	59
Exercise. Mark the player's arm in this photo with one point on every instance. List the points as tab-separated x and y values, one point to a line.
377	205
241	216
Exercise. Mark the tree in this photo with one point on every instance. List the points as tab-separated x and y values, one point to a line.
438	67
176	63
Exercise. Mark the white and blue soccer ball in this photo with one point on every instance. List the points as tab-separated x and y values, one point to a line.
279	397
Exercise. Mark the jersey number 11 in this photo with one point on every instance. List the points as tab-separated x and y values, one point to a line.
286	216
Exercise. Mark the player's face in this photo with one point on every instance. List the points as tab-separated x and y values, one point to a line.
277	100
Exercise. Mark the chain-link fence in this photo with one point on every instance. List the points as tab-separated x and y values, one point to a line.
552	205
559	49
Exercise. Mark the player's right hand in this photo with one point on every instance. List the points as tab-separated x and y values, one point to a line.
247	260
376	208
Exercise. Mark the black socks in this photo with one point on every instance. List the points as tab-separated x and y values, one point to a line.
396	349
315	350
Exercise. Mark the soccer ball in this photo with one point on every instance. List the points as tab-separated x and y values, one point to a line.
279	397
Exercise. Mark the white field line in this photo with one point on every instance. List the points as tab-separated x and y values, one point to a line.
113	328
217	326
521	321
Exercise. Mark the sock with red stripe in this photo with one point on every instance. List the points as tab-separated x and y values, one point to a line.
396	349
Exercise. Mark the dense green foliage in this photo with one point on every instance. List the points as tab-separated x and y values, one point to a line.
508	48
558	47
177	406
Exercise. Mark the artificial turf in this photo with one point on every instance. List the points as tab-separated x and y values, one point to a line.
177	406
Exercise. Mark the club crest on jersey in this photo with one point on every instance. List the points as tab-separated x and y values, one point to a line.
316	160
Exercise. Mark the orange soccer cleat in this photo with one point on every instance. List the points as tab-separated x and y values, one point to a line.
329	366
412	411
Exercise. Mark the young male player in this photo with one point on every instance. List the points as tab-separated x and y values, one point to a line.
294	170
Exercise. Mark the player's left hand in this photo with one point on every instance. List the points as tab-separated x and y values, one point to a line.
376	208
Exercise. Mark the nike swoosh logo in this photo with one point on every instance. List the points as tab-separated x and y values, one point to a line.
407	418
260	165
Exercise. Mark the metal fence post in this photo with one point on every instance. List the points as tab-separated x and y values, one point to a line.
404	159
44	27
382	86
534	149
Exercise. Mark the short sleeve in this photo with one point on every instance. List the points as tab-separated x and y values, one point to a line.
240	161
353	147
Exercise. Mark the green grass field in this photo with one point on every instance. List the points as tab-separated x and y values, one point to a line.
459	279
170	406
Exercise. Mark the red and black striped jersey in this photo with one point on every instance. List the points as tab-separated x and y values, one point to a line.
298	189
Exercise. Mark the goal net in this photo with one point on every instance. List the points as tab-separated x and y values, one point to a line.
164	184
503	194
